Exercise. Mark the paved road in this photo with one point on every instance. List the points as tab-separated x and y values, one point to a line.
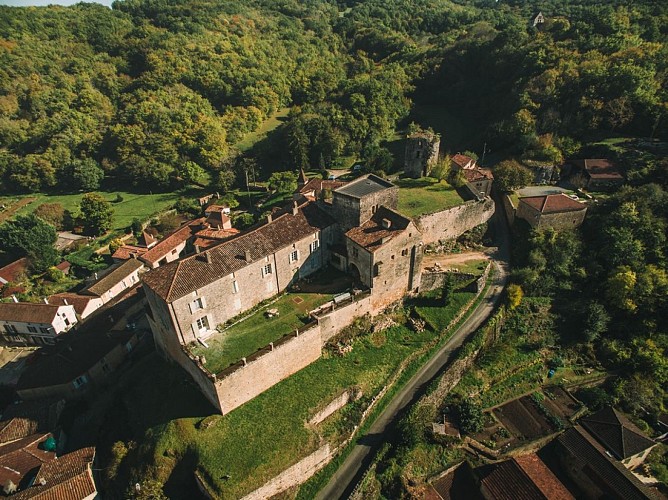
349	473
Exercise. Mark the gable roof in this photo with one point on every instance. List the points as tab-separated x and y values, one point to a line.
616	433
462	160
117	274
372	234
128	251
28	312
20	457
363	186
522	478
29	417
80	302
317	185
553	203
477	174
599	168
12	272
179	278
171	241
592	459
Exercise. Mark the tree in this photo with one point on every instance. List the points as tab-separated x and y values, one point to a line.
448	289
515	295
53	213
595	322
509	175
283	182
243	221
471	418
86	174
96	214
441	170
29	235
620	287
115	244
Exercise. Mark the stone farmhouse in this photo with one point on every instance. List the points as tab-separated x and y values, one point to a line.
553	210
358	231
594	174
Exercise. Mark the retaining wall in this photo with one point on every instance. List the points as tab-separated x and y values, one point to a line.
333	322
508	208
334	405
451	223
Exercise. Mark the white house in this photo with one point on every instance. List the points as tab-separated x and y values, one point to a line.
35	323
121	277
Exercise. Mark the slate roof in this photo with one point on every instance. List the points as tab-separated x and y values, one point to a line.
600	169
70	358
171	241
80	302
28	312
29	417
553	203
364	186
118	273
607	473
179	278
616	433
68	477
372	235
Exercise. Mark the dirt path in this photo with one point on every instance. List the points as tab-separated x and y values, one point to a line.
15	207
446	260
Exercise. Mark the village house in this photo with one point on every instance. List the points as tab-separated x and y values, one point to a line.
39	324
478	181
316	189
173	246
144	243
84	305
75	366
20	420
216	228
117	280
462	162
11	275
553	210
594	174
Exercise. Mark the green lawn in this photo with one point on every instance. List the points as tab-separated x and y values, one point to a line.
470	266
270	124
426	195
257	331
141	206
431	310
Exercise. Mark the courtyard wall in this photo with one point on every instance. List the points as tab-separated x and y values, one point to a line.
451	223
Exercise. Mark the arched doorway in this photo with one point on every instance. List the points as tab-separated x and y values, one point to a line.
355	273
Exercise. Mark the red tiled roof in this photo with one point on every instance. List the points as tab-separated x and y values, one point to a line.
599	168
29	417
215	208
553	203
127	251
80	302
317	185
64	266
462	160
12	272
28	312
171	241
19	457
477	174
68	477
176	279
372	235
542	477
219	219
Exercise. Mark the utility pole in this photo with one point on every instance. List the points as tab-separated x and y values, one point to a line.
484	150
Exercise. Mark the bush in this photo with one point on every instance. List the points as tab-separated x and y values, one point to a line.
54	274
243	221
470	416
118	198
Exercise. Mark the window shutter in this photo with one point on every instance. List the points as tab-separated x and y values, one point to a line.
190	307
203	302
195	329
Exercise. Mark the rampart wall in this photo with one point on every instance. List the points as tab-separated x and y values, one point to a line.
451	223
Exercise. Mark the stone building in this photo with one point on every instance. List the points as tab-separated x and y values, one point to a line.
594	174
356	202
37	324
553	210
478	181
421	153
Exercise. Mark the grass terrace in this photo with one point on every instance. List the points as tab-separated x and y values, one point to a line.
426	195
257	330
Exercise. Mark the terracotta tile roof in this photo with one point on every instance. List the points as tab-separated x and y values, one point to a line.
372	234
147	239
599	168
117	274
462	160
176	279
64	266
12	272
591	458
317	185
171	241
215	209
68	477
29	417
542	477
477	174
209	237
70	358
616	433
127	251
363	186
216	219
28	312
80	302
553	203
20	457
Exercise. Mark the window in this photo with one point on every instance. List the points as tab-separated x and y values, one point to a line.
124	284
235	287
314	245
203	324
67	322
355	252
266	269
197	304
404	252
104	366
373	209
32	329
294	256
173	251
45	330
79	381
10	329
134	278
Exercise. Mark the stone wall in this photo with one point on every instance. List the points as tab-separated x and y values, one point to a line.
558	220
434	280
294	475
509	208
257	373
334	405
331	322
451	223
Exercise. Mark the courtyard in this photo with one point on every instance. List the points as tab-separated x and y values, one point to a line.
271	320
426	195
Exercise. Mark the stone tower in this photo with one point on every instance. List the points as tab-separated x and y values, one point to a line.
421	153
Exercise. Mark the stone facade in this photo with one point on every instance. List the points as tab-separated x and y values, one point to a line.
421	154
564	213
451	223
356	202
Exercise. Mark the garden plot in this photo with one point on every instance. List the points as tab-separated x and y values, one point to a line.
523	419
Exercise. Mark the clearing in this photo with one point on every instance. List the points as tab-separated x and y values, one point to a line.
426	195
268	126
468	262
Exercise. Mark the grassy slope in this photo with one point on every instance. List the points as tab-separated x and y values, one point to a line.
426	195
268	126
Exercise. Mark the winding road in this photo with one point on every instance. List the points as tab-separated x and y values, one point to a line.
344	480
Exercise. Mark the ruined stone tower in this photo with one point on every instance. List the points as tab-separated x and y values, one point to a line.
421	153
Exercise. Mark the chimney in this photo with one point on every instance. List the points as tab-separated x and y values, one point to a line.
269	218
15	299
387	223
207	255
46	301
65	302
295	209
247	256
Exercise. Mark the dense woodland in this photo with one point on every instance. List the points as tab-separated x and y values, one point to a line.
158	94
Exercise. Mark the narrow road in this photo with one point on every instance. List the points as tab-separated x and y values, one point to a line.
351	470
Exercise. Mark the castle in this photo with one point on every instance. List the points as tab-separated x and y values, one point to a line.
358	231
